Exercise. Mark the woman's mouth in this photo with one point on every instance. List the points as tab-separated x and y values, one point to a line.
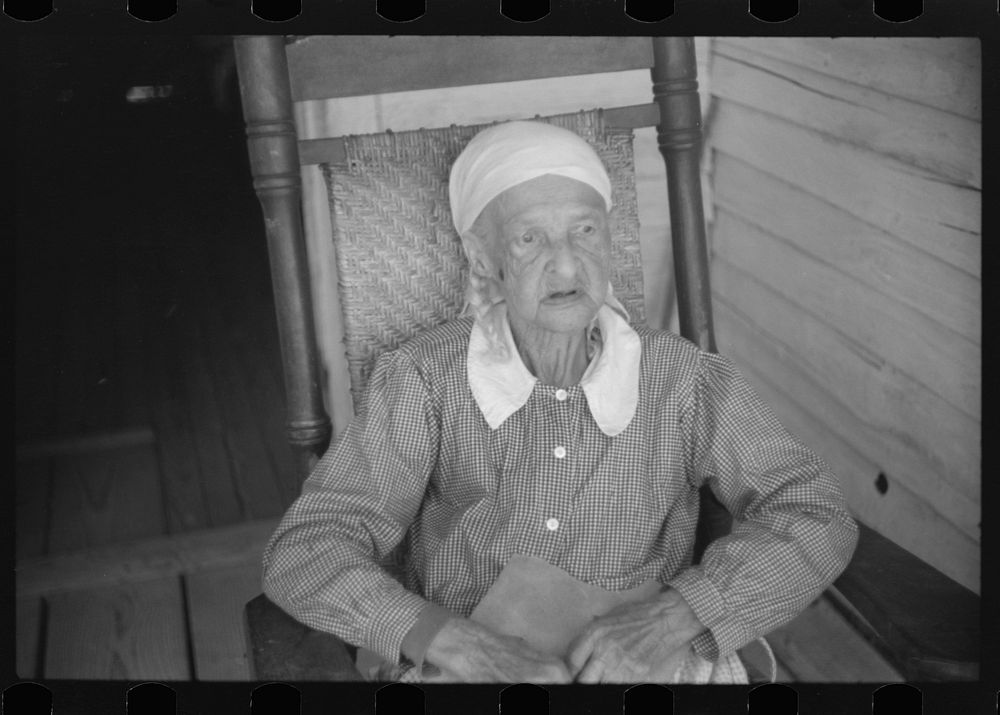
562	296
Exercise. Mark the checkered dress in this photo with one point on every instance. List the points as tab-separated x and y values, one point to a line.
419	463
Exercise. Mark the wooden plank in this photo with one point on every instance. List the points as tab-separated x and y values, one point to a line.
180	469
880	260
224	504
216	600
247	309
105	498
892	420
625	97
36	348
165	302
110	566
815	417
72	372
627	92
819	646
322	151
134	631
197	478
244	364
82	444
259	353
33	483
331	150
940	142
284	650
252	472
893	334
132	314
28	622
930	624
930	213
95	348
325	66
939	72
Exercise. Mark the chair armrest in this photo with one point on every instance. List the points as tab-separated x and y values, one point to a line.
282	649
924	622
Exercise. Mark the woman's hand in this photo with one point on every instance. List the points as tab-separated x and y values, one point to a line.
644	642
467	652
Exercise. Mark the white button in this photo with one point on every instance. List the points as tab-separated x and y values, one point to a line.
560	452
561	394
551	524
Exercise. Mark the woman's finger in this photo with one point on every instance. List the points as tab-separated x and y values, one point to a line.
592	672
580	650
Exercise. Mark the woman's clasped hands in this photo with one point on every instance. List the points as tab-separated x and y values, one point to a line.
643	642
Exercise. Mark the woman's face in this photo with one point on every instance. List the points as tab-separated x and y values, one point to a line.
550	252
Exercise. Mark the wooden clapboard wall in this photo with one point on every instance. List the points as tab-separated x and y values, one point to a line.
846	266
400	111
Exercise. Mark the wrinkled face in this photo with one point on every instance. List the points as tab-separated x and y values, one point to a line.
548	249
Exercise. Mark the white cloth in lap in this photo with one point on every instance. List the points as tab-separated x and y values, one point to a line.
548	608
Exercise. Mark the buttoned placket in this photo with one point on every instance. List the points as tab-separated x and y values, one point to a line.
561	454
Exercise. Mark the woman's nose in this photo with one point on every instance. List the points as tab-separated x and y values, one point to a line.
562	258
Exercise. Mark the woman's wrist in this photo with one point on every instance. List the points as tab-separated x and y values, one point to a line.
682	617
451	641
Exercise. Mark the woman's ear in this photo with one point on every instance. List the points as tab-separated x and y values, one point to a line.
481	265
480	261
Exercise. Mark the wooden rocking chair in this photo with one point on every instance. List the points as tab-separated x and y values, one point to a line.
275	72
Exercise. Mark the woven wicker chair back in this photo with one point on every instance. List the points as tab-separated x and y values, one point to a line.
400	261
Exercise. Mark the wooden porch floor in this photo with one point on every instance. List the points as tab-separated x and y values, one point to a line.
151	458
149	401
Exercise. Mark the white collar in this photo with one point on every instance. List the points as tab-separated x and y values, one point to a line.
501	384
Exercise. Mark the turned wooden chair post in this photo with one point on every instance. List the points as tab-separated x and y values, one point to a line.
678	134
675	89
274	162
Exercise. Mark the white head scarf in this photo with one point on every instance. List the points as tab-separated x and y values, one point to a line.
511	153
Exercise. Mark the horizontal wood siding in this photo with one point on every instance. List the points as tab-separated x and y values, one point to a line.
831	429
932	215
832	236
884	406
944	73
924	136
846	179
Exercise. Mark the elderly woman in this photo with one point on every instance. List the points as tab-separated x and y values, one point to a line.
542	459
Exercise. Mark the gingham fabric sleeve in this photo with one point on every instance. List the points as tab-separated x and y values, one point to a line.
792	534
321	565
